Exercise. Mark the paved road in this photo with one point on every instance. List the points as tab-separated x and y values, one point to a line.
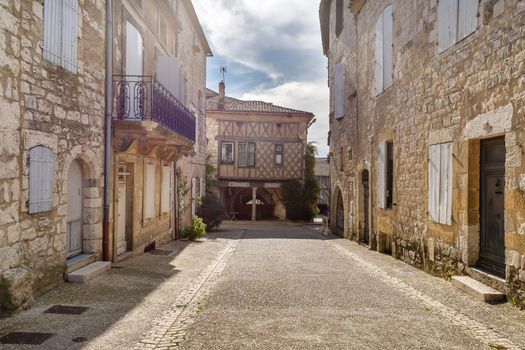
270	286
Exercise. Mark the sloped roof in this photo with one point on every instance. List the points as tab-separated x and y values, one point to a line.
235	105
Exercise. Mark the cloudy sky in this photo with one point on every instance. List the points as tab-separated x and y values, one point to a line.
273	52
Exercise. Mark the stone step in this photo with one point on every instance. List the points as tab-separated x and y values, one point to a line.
79	262
87	273
495	282
477	289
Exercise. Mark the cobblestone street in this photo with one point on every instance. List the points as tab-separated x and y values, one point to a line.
272	286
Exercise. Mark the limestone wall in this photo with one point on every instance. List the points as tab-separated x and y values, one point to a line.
43	104
472	91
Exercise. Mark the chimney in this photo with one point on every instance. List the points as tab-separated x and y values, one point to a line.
222	89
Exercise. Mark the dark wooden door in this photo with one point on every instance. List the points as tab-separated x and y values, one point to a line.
340	219
492	207
366	209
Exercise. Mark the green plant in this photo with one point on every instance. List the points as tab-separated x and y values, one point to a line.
300	198
196	230
210	171
182	191
497	346
211	211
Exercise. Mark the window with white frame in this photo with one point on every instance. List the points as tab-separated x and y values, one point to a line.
440	183
339	73
384	50
60	33
40	179
246	154
149	191
279	154
227	153
457	19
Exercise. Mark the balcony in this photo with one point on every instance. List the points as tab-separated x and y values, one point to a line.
146	111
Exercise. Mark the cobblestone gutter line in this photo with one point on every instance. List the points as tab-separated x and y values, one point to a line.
170	329
471	327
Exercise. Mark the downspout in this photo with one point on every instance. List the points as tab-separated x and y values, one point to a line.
108	131
175	212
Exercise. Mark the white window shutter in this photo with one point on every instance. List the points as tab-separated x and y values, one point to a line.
381	178
40	179
134	45
467	18
149	191
166	189
447	23
168	73
445	197
203	187
53	32
388	50
379	54
69	35
434	165
339	90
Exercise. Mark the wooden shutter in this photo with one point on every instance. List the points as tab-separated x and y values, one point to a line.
381	176
52	50
388	49
447	23
339	90
166	189
203	187
69	35
40	179
134	52
149	191
467	18
445	195
379	54
168	73
434	165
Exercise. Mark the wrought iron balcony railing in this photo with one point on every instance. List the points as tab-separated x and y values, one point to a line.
144	98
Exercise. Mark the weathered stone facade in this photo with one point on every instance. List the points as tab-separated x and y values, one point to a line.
473	91
45	105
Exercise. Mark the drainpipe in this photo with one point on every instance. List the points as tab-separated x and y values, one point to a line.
108	116
175	212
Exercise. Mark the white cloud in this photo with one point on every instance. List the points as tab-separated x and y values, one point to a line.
307	96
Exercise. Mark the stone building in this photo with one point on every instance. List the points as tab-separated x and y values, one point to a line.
322	176
426	143
255	146
159	69
51	142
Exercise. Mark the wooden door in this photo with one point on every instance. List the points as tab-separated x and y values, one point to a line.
366	208
121	219
340	218
492	207
74	210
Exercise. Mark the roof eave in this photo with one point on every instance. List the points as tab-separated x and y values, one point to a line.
198	26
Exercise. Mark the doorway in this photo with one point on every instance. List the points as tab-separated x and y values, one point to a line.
492	207
124	208
340	214
75	182
366	208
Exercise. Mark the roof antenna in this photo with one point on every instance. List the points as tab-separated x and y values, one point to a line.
224	70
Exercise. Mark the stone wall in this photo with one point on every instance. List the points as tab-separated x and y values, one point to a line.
43	104
472	91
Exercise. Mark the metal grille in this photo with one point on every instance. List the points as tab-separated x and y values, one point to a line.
29	338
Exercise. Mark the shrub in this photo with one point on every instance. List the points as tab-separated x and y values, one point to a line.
211	211
196	230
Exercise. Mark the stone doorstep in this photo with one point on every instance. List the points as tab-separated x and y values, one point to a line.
87	273
124	256
486	278
477	289
79	262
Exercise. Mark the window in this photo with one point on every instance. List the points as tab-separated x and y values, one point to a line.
339	17
60	33
278	154
457	19
149	191
40	179
246	154
385	179
339	90
165	203
227	153
384	66
440	183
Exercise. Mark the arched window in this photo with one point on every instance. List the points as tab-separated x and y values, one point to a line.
40	179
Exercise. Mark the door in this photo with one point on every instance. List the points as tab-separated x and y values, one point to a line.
366	209
122	245
134	70
74	210
340	219
492	207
